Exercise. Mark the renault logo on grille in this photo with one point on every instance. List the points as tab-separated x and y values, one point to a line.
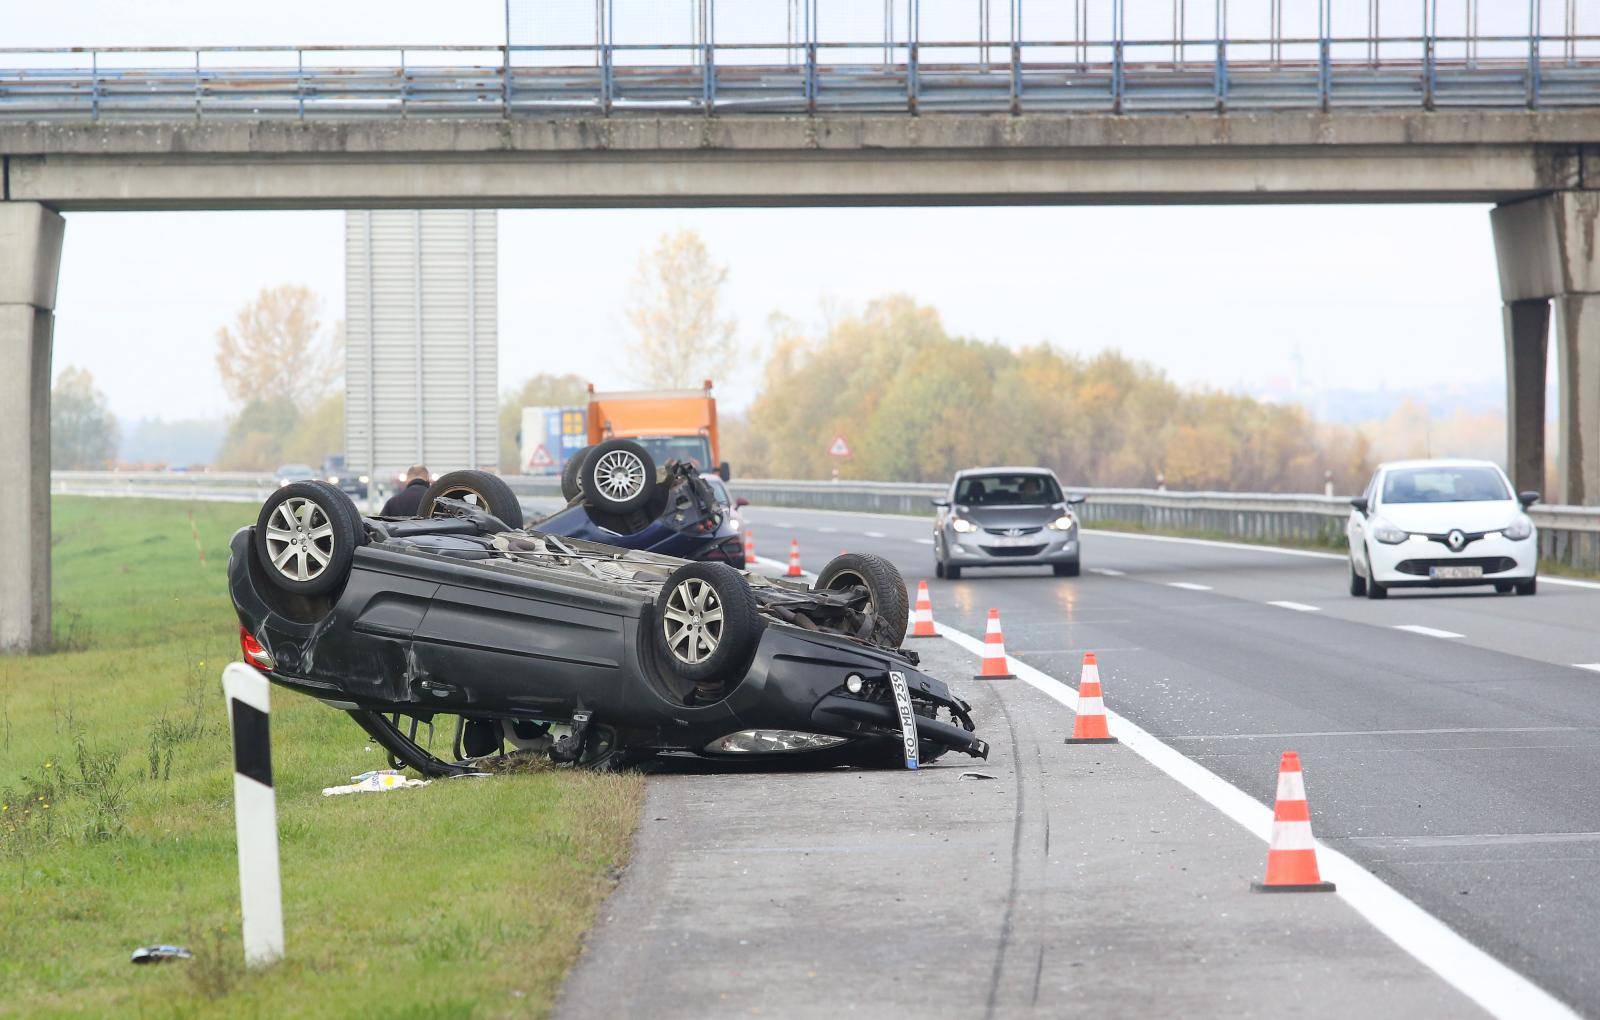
1456	540
1013	532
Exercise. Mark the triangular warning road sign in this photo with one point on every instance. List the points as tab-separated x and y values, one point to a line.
840	448
540	457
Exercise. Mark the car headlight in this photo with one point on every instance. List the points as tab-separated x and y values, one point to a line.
1387	533
962	525
333	479
1064	522
364	479
1519	529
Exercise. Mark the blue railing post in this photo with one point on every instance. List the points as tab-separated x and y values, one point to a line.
1534	28
1324	73
607	84
94	85
708	64
1016	78
1116	76
300	84
913	17
197	85
1221	79
505	74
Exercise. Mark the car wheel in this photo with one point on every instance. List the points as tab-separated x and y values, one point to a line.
707	625
1067	569
306	535
1504	587
1374	589
1358	584
938	568
885	590
952	572
571	483
1528	587
618	476
482	489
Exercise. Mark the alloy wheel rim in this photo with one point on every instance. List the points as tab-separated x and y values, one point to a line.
619	475
693	621
299	539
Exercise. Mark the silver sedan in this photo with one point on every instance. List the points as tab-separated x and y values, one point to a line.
1006	517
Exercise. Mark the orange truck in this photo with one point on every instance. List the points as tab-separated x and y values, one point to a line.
671	424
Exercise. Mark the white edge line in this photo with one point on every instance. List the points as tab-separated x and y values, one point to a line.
1299	607
1188	586
1477	975
1587	665
782	566
1417	628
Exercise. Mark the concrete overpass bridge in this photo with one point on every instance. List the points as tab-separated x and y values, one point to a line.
804	121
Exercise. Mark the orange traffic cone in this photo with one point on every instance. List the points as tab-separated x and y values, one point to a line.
1090	727
995	664
794	559
922	618
1292	857
749	546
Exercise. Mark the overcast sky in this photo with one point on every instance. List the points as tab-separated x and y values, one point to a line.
1341	297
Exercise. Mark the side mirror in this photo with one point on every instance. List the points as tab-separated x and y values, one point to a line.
940	502
1528	498
1360	503
1076	500
724	472
739	503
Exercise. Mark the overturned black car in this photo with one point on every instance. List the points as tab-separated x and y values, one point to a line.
588	653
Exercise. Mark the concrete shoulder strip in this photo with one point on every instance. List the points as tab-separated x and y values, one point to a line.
1479	976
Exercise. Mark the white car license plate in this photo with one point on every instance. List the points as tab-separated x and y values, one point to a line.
1014	540
1455	573
908	718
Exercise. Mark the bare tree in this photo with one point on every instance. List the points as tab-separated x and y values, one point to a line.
83	432
276	349
680	335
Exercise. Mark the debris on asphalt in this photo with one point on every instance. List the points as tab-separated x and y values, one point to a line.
976	775
380	781
160	954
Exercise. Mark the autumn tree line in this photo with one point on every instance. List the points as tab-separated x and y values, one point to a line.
915	403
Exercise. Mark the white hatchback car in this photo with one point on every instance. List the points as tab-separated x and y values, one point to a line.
1437	523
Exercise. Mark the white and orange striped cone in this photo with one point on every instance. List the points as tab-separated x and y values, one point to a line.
922	617
749	546
995	664
794	559
1292	857
1090	726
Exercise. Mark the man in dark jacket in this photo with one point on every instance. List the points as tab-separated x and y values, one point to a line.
405	502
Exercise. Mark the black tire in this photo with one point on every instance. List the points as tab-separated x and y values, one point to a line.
952	572
1358	584
1374	589
1528	587
1072	569
938	569
683	637
886	591
301	524
488	491
618	476
571	483
1504	587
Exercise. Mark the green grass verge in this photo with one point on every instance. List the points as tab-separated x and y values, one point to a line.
464	898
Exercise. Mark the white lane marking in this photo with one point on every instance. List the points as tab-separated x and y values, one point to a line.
1476	974
1188	586
1476	839
825	531
1588	665
1417	628
924	541
1299	607
1570	582
1106	571
871	534
1385	733
782	568
783	524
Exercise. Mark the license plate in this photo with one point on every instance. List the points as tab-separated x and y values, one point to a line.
908	718
1455	573
1013	540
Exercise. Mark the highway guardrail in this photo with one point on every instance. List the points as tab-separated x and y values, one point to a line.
1568	535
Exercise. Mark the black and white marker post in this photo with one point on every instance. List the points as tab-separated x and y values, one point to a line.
255	809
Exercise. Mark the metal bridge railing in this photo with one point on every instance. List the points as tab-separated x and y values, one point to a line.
1111	75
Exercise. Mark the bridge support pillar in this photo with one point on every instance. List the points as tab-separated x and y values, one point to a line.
30	256
1548	249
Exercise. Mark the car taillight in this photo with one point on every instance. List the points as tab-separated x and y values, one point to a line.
254	654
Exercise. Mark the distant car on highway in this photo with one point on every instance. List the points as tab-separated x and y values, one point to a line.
337	472
287	473
1441	523
1006	517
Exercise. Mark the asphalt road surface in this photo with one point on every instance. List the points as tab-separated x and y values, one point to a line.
1451	740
